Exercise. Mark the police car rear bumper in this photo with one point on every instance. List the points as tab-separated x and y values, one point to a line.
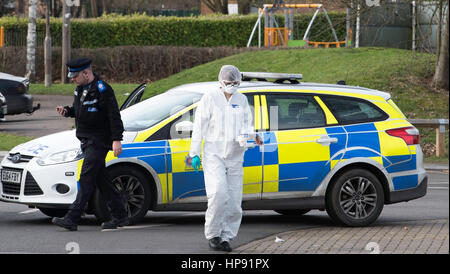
408	194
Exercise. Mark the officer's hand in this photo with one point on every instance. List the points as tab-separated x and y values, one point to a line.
117	148
196	163
61	110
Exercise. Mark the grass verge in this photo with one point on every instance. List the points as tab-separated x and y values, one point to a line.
8	141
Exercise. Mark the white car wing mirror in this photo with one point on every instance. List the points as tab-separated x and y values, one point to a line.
184	127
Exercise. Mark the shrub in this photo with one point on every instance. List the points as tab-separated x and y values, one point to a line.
120	64
141	30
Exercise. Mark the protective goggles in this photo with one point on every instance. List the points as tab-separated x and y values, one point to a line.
231	83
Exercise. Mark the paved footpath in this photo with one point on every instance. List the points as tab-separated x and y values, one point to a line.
417	237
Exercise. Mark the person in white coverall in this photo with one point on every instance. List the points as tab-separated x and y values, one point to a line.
224	120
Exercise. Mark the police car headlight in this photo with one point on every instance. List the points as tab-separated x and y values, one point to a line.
61	157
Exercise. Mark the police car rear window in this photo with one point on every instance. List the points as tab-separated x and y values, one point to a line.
352	110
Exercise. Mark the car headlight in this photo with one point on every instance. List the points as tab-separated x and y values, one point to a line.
61	157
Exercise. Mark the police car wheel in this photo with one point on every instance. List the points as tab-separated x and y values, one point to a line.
135	190
356	198
53	212
292	212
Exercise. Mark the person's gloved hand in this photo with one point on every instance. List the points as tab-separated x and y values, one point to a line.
196	163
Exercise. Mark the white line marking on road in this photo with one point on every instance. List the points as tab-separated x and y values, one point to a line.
438	187
29	211
134	227
439	183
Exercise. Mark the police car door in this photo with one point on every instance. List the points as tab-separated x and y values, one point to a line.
253	155
301	146
135	97
186	185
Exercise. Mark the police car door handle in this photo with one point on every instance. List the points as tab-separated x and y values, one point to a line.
325	140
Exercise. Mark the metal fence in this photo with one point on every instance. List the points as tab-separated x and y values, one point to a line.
19	38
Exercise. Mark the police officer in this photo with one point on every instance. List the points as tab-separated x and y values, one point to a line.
99	128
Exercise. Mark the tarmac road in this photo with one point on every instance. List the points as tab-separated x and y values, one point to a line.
43	121
24	230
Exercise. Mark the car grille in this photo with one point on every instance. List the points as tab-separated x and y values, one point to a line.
11	188
31	187
18	158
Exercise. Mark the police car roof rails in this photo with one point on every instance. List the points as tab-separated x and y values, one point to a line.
278	77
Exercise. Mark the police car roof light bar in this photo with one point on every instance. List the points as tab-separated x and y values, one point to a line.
278	77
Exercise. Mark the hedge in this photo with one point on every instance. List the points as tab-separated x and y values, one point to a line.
141	30
122	64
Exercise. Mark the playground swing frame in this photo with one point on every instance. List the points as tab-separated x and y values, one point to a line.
269	9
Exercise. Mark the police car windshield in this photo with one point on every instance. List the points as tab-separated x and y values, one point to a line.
155	109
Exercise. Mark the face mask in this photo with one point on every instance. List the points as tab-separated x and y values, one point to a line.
230	89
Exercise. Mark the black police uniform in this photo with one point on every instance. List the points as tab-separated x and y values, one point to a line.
98	124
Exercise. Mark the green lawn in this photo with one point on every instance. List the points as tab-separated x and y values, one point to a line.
8	141
402	73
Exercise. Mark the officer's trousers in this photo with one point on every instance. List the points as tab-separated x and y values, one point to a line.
94	173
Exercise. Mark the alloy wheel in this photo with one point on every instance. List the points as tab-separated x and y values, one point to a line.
132	192
358	198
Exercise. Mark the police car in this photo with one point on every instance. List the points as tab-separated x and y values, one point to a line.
347	150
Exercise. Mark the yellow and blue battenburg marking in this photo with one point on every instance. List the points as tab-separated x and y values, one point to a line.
290	160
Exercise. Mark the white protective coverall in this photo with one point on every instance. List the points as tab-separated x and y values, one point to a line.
219	122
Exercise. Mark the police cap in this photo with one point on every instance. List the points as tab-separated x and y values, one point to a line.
76	65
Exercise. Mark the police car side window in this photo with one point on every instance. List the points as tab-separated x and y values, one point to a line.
251	103
352	110
292	111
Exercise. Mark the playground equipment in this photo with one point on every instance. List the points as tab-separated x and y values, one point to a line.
274	35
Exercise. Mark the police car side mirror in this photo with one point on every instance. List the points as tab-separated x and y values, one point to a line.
184	127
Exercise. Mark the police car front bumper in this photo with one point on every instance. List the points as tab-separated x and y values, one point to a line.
53	185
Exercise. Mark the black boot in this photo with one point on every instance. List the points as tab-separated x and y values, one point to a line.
115	223
214	243
65	223
226	246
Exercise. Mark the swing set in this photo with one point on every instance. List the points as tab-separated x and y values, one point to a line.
274	35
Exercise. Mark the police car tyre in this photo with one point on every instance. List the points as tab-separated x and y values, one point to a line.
356	198
292	212
135	190
53	212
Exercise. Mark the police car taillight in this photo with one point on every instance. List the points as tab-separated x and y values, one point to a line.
409	134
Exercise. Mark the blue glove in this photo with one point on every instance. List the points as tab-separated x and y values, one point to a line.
196	163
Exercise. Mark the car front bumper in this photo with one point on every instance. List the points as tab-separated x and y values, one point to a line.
40	185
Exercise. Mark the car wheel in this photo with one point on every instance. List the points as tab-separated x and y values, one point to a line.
54	212
356	198
135	190
292	212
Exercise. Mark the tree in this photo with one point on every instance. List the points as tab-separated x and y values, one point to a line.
31	41
48	48
219	6
94	10
20	7
440	79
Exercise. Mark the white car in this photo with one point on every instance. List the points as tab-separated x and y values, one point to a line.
347	150
3	107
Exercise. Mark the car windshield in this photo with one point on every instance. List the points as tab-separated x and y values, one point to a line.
157	108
